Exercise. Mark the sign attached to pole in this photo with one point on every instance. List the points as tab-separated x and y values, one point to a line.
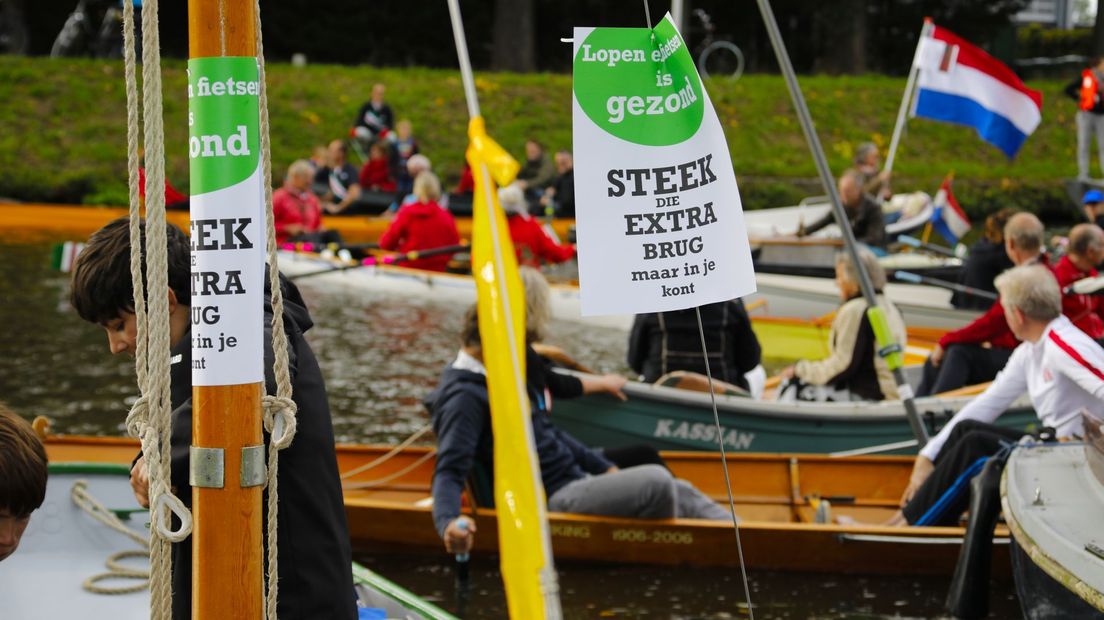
660	224
227	221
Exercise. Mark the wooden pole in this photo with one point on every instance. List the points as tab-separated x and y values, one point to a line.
226	536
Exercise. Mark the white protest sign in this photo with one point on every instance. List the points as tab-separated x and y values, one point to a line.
660	224
227	221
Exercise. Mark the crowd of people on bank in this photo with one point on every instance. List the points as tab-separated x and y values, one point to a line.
397	180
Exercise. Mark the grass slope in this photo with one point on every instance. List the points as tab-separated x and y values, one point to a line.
64	130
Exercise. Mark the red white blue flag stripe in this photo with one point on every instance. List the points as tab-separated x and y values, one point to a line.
959	83
948	219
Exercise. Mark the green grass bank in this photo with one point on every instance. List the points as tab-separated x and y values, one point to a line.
63	129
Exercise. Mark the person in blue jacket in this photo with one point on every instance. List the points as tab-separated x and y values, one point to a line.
576	478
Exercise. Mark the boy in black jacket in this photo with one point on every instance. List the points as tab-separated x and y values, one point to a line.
315	567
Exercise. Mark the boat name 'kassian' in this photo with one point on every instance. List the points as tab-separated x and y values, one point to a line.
707	433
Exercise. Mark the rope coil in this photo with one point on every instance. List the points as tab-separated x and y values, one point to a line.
88	503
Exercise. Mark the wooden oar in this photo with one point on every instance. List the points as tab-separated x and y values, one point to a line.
387	260
559	356
915	278
1086	286
307	246
969	390
913	242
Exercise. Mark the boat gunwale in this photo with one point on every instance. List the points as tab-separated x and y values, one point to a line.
868	411
1049	565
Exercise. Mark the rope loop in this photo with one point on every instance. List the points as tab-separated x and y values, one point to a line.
160	519
279	420
137	419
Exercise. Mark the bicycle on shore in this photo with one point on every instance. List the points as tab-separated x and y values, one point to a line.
717	56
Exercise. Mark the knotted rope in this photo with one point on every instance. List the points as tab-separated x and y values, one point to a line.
83	499
149	418
279	410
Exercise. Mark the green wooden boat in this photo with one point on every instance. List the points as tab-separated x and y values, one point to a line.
676	419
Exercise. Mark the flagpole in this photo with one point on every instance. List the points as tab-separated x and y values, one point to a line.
528	572
890	350
910	88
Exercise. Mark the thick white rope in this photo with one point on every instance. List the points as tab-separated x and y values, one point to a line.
149	418
279	410
86	502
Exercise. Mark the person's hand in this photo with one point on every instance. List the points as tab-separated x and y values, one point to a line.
884	175
788	372
460	539
613	469
612	384
330	207
937	356
920	472
139	481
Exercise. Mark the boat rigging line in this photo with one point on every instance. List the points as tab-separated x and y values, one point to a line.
717	422
724	466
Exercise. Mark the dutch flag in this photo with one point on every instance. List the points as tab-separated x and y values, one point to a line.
948	219
960	83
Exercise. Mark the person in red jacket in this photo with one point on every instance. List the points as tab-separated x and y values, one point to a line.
1085	251
376	173
423	225
297	214
532	243
960	359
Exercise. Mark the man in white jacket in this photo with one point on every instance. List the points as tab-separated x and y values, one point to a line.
1057	364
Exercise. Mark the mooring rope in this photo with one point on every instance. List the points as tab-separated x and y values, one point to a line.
88	503
279	410
149	417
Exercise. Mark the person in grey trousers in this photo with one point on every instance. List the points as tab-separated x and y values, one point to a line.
576	478
1085	90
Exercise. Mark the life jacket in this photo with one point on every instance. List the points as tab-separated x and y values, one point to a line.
1089	90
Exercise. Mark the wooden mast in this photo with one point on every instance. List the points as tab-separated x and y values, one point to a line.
226	536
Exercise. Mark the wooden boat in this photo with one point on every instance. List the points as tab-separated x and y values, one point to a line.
677	419
904	213
1052	498
816	257
805	297
387	500
64	546
81	221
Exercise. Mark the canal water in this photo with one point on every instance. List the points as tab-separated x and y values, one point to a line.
380	355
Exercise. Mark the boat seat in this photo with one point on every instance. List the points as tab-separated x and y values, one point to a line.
697	382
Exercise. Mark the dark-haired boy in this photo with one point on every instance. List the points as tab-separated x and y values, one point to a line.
315	558
22	478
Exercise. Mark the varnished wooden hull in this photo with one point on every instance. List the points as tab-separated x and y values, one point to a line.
388	507
81	221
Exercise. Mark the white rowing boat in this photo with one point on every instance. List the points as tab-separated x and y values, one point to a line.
782	295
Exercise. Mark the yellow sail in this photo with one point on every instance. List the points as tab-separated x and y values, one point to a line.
526	550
